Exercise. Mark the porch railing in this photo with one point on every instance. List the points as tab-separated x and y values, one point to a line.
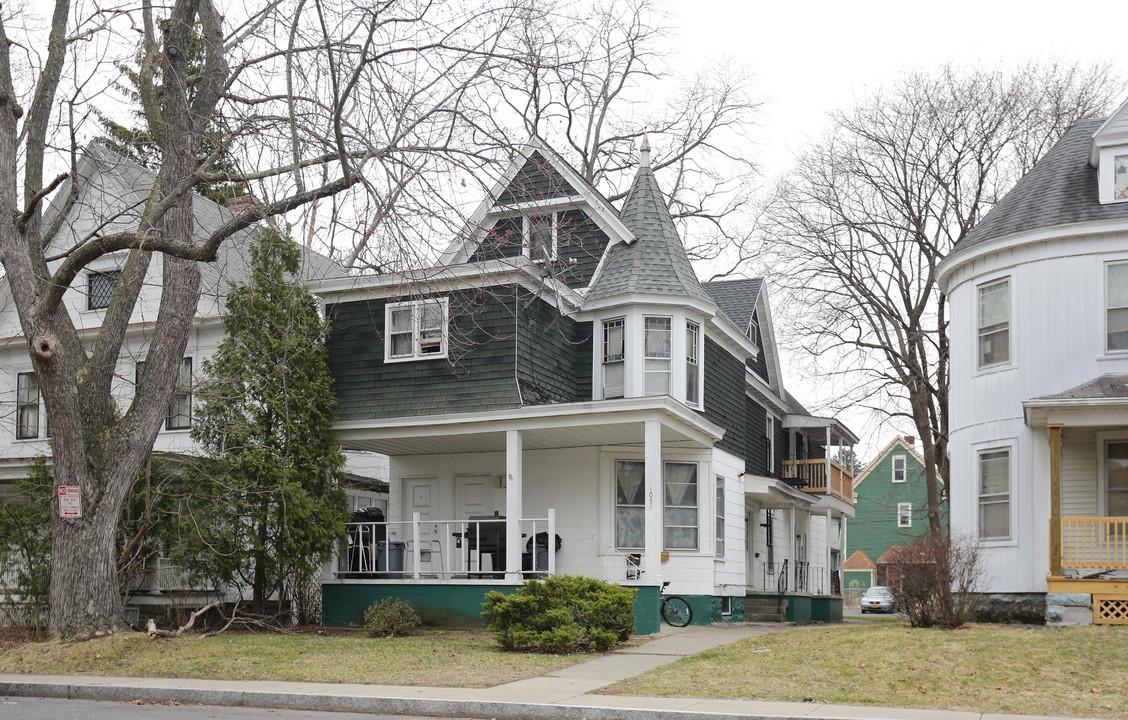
1094	543
811	476
444	549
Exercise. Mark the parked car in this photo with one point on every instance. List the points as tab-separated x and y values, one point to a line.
877	599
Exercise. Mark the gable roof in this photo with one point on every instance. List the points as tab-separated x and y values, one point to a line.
123	186
1060	189
896	443
656	262
858	560
535	164
1113	131
736	298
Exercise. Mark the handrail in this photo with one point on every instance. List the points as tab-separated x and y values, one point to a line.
813	474
1094	543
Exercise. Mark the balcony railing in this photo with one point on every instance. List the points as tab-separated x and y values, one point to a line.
1094	543
474	548
811	476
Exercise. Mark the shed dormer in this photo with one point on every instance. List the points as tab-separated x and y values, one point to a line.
1109	155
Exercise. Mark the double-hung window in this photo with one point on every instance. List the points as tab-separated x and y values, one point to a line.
692	363
994	494
613	358
1116	307
898	468
100	288
680	512
719	523
540	237
904	515
630	496
656	345
994	323
417	330
27	406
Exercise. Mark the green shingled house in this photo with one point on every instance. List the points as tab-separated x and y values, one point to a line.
890	509
561	394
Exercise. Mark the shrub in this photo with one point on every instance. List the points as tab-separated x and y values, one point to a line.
390	617
936	579
565	613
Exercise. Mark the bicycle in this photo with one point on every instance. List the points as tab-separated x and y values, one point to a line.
675	610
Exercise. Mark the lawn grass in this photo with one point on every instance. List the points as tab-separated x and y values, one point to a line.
1073	671
431	658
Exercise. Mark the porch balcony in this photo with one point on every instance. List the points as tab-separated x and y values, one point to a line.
820	476
423	549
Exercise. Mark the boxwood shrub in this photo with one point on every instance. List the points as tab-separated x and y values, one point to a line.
565	613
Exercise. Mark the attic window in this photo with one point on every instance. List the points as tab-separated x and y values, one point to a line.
540	237
100	289
416	330
1120	178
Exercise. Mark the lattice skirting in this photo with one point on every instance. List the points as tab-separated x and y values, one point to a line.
1110	610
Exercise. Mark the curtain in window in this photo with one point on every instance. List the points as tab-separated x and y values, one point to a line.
630	495
681	506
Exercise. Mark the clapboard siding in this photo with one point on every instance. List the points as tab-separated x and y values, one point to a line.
1079	473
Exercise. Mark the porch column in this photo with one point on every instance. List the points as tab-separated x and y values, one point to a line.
1054	432
513	505
826	451
828	552
652	555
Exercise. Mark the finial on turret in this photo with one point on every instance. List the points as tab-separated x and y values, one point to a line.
644	152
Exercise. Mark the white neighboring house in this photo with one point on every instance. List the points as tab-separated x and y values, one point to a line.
112	193
1039	383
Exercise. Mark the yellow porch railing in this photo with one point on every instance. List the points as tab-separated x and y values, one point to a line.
1094	542
813	473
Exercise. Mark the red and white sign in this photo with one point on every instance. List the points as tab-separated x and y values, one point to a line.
70	501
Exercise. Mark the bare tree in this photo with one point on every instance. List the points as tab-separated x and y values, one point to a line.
859	227
596	80
364	96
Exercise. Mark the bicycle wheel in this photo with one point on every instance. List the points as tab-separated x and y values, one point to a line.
676	611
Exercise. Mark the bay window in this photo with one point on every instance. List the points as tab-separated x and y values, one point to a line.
692	364
613	358
656	346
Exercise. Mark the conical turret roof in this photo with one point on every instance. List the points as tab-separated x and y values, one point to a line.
656	262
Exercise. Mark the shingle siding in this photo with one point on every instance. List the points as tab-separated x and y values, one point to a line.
759	364
536	180
724	398
757	458
579	240
505	239
478	374
553	354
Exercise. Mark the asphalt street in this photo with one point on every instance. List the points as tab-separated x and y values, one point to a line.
17	708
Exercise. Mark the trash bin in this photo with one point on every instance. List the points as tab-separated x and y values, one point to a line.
535	557
389	558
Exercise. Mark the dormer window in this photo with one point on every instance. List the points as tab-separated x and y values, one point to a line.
417	330
540	237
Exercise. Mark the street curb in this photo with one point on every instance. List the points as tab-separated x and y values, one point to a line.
360	704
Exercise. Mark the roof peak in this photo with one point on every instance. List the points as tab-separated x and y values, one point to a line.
644	152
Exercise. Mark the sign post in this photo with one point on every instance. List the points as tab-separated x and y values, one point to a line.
70	501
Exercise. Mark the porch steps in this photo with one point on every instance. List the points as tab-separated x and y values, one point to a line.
762	609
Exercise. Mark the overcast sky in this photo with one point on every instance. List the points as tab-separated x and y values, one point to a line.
809	58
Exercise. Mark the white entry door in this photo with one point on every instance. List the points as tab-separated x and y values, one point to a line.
473	497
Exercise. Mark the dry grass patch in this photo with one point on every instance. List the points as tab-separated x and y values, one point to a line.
1075	671
432	658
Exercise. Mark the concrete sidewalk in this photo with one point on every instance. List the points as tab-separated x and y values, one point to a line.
567	693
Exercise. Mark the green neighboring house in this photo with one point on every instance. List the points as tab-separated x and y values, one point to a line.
890	501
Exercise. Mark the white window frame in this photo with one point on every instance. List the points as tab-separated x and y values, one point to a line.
996	498
527	225
1117	159
416	330
1105	437
692	360
1108	308
904	515
904	460
982	330
26	379
647	358
180	404
719	515
611	359
667	506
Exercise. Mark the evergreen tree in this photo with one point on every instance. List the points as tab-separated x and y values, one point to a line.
266	507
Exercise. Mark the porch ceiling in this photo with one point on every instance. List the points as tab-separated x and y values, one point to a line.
608	422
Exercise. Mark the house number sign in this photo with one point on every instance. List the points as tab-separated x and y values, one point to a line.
70	501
